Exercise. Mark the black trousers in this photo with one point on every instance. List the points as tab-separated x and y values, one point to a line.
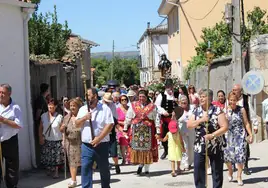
10	151
216	162
163	134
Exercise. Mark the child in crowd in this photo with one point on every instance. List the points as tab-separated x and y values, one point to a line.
175	145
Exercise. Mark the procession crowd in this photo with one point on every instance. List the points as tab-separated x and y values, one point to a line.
86	133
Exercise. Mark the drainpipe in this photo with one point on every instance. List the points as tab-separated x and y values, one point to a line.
26	16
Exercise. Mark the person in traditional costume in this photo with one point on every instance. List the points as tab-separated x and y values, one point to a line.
144	119
167	101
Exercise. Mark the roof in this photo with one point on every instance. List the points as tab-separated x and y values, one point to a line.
45	62
89	42
19	3
160	29
75	45
166	7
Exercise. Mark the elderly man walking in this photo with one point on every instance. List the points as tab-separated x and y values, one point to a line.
10	124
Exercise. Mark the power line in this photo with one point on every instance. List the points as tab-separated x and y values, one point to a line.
162	21
206	15
183	2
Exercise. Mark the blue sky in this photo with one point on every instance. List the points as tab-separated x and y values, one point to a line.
103	21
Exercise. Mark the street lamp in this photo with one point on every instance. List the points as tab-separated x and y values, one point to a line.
209	56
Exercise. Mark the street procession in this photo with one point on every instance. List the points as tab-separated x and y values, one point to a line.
186	106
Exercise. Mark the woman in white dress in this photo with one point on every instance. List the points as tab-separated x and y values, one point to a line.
188	135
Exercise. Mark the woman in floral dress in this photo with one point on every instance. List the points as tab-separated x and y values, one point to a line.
217	126
239	126
72	141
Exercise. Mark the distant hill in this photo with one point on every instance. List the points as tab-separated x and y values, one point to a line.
109	55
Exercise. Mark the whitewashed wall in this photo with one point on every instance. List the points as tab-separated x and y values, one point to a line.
12	71
160	46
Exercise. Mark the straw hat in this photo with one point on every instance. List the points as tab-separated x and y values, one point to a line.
131	93
107	97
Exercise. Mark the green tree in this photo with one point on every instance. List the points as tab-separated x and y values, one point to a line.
47	36
125	71
220	38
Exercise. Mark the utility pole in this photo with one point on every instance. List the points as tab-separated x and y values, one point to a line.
112	64
236	43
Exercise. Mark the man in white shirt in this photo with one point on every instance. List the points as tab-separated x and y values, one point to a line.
10	124
252	117
96	149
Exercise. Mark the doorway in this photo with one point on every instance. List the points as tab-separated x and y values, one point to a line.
53	87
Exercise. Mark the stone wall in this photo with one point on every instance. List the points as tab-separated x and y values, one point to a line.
221	76
259	62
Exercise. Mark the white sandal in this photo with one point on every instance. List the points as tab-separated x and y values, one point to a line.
240	182
72	184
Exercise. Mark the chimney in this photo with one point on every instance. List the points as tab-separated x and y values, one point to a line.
148	25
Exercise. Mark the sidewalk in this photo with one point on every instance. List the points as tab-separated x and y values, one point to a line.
160	175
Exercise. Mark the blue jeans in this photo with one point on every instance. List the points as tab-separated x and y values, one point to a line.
216	163
100	154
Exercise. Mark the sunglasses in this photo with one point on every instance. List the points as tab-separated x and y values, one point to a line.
123	99
65	101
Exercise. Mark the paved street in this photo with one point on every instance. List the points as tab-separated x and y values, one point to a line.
160	175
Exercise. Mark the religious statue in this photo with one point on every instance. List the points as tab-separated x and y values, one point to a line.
165	66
